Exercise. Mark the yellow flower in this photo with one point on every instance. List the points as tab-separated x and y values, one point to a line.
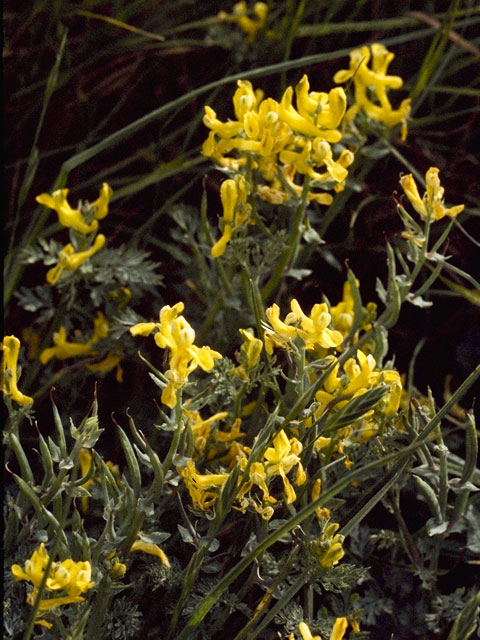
152	549
431	206
67	216
64	349
280	141
314	329
318	114
72	577
280	460
101	203
9	376
74	218
250	352
34	567
175	333
236	210
70	261
306	633
329	546
249	26
203	488
374	81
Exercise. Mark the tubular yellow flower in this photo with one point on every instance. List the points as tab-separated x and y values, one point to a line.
236	210
252	347
374	80
34	568
175	333
70	261
431	206
67	216
306	633
329	546
339	629
203	489
8	371
64	349
101	203
152	549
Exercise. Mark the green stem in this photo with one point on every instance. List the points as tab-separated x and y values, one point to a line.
292	248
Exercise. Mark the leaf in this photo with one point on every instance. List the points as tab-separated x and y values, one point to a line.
472	517
467	620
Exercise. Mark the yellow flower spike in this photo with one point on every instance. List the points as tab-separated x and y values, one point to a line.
52	603
101	203
282	332
152	549
67	216
258	476
8	372
108	363
329	546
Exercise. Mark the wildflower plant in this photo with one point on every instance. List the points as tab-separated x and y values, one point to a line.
235	480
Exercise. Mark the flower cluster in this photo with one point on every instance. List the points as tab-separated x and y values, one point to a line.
278	460
313	330
249	26
431	206
9	373
372	85
280	143
84	221
174	333
74	578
